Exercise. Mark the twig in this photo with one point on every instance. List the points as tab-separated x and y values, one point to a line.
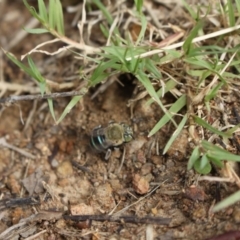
215	179
8	230
4	143
36	235
80	167
122	160
14	99
30	116
18	202
4	86
124	219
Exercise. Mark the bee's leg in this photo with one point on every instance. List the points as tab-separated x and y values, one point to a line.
111	122
97	127
108	154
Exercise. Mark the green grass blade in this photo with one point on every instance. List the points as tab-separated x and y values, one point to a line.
42	86
204	124
204	161
213	92
50	105
219	153
211	49
31	70
136	64
95	78
194	32
68	108
193	14
35	71
36	30
107	14
151	67
178	105
33	12
233	129
115	51
198	61
139	5
123	51
101	73
216	162
141	76
176	133
234	198
231	15
194	157
171	84
238	6
42	10
104	10
143	29
224	156
230	75
59	17
20	64
171	56
202	73
104	30
52	14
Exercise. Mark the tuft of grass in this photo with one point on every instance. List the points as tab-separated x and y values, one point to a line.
50	17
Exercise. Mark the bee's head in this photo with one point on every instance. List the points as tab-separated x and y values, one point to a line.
127	133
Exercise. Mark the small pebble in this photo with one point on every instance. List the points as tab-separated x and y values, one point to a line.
195	193
178	148
54	163
103	195
81	209
199	212
146	169
157	160
140	155
177	216
65	169
136	144
140	184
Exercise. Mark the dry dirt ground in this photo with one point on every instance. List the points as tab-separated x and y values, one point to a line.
48	170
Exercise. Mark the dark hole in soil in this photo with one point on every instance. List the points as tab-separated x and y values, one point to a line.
127	80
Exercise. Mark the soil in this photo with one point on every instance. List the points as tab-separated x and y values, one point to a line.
49	171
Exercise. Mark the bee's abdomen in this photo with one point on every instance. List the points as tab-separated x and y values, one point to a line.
111	136
98	140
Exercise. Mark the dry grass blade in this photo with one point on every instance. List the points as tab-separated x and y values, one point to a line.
180	44
4	143
36	235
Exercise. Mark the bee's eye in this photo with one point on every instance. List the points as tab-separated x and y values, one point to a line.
127	137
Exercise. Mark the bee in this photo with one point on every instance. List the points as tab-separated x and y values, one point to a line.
105	138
